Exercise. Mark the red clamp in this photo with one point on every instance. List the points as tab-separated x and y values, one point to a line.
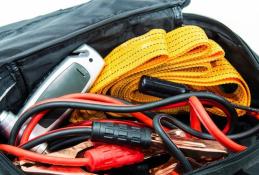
105	157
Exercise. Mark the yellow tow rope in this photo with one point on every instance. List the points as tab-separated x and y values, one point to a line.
184	55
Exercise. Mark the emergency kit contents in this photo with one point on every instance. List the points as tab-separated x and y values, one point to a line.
80	69
184	55
161	103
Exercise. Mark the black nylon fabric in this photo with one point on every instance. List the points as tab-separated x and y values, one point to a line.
18	39
243	163
35	46
237	51
7	167
30	49
12	88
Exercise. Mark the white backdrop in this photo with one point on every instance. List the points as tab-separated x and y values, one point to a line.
241	16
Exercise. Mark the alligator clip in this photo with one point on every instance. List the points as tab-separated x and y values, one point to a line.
71	152
53	170
165	169
191	146
173	167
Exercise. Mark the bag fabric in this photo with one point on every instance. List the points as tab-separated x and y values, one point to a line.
41	43
30	49
7	167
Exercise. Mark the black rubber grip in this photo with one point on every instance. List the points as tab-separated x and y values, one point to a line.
121	134
160	88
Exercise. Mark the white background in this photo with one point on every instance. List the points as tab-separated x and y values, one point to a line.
241	16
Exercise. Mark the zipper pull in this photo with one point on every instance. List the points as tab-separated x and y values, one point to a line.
178	16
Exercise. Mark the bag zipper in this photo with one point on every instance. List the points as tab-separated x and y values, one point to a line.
158	7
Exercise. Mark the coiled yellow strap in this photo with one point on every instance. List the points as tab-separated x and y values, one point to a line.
184	55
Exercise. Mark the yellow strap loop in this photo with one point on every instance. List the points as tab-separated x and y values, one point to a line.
184	55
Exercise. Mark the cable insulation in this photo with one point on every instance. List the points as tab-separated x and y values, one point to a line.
212	128
29	155
114	108
172	148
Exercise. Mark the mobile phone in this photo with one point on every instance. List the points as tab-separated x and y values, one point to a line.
75	74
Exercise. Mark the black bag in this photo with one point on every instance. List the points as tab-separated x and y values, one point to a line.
30	49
